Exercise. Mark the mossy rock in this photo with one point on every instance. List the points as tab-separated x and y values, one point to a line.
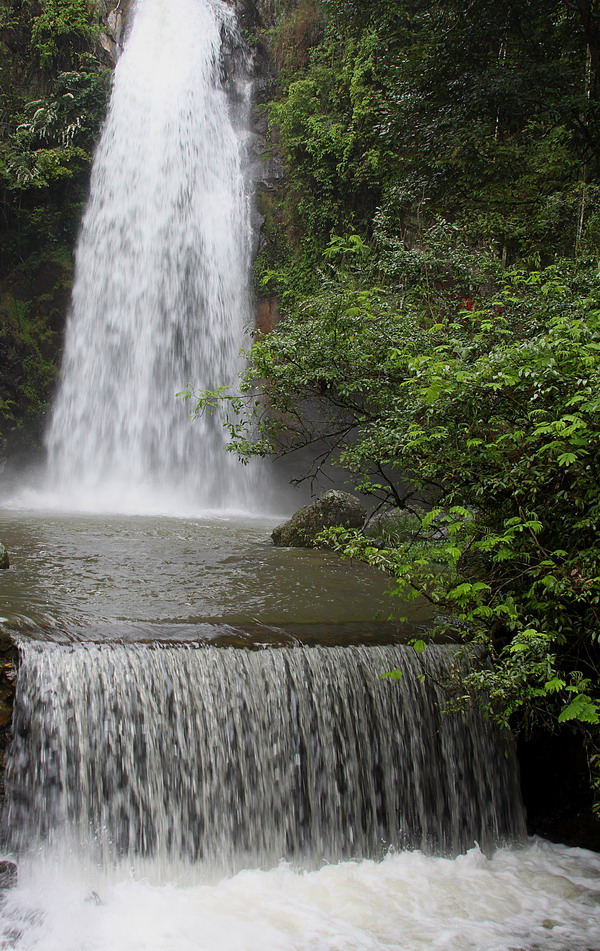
334	508
4	561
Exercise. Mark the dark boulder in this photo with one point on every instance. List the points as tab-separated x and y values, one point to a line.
4	562
334	508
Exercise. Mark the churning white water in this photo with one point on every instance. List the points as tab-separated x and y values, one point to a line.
160	297
138	772
539	898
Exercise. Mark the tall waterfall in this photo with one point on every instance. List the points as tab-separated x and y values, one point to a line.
236	759
160	297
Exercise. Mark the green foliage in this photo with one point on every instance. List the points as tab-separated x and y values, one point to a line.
399	112
62	29
496	423
468	396
53	93
324	127
52	140
443	166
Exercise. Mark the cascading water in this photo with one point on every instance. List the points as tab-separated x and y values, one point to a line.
140	775
161	287
235	758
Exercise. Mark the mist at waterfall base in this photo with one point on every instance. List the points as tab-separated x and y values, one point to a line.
178	798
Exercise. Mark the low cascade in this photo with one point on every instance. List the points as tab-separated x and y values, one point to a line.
161	292
233	758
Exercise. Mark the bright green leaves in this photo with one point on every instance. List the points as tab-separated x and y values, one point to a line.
554	686
581	708
566	458
62	27
347	246
464	594
418	645
392	675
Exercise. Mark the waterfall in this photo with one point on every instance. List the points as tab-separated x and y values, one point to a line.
160	297
231	758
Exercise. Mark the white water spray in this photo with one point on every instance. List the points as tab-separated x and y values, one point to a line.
161	287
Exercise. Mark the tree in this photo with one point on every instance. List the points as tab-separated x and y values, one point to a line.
53	93
469	398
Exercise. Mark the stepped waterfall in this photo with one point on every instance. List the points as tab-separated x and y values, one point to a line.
161	297
186	797
238	758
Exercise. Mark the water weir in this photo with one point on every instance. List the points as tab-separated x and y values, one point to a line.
161	297
154	794
235	758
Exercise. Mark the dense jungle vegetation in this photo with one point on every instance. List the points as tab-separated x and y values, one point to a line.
435	253
54	81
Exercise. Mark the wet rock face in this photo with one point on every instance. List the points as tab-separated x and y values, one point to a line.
334	508
115	14
253	12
